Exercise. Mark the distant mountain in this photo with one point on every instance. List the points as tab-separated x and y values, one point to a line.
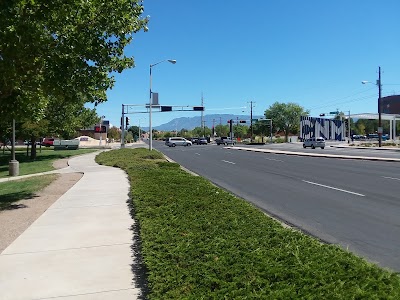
191	123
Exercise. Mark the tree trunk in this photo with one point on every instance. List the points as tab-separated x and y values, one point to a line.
33	149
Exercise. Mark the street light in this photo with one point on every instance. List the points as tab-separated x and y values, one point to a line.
100	127
379	84
172	61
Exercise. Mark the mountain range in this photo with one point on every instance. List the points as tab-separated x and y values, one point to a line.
192	122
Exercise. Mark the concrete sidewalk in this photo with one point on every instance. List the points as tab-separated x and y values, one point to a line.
81	247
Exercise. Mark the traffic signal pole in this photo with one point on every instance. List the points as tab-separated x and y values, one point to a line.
123	128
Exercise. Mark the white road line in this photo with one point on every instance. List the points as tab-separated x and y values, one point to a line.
197	153
229	162
274	159
333	188
391	178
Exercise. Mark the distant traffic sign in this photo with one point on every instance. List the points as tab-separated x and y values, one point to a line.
334	112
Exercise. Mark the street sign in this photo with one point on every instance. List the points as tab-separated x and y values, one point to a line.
254	120
334	112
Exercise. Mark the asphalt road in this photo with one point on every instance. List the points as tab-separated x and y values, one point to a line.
354	203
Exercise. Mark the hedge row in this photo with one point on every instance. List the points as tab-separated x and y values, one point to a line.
200	242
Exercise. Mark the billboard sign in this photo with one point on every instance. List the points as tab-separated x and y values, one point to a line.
391	104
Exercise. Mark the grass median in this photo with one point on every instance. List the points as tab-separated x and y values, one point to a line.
42	163
201	242
23	189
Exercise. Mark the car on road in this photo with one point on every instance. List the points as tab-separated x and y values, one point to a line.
202	141
177	141
225	141
314	142
194	140
26	142
48	142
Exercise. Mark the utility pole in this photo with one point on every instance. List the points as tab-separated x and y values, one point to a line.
380	129
251	120
123	127
213	129
202	112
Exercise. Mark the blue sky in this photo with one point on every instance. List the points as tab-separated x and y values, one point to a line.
313	53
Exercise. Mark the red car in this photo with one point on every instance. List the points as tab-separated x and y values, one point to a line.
47	142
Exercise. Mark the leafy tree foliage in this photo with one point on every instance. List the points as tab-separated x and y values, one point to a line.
128	137
240	131
114	133
285	117
222	130
62	49
134	130
199	131
262	128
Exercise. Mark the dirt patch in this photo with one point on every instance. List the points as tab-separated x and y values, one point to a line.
16	221
60	163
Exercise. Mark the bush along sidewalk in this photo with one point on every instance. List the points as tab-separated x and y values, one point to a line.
201	242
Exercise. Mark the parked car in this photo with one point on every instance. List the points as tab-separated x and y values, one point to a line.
48	142
314	142
177	141
202	141
194	140
224	140
26	142
374	136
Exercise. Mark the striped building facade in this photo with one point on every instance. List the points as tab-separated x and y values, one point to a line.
318	127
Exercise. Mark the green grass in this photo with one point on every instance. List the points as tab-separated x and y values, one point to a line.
200	242
42	163
23	189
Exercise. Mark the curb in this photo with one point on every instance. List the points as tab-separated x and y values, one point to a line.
316	154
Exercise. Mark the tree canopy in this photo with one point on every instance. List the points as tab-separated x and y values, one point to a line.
68	49
285	117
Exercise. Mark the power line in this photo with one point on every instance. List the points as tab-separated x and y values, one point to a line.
334	102
343	102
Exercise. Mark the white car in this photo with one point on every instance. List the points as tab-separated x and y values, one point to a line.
314	142
177	141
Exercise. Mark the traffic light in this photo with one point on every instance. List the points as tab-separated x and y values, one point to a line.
127	121
230	125
100	129
242	121
322	115
166	108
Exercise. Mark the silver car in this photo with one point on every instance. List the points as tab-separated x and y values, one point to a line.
177	141
314	142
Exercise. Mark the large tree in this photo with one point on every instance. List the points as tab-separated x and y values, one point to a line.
58	48
285	117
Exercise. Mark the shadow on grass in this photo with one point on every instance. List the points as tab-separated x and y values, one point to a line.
7	200
138	267
45	155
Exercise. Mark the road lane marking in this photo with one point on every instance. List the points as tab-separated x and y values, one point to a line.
333	188
197	153
391	178
274	159
229	162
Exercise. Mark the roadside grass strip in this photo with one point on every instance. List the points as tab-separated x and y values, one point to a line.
42	163
201	242
23	189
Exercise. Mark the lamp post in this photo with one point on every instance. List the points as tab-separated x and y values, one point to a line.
101	124
379	84
172	61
